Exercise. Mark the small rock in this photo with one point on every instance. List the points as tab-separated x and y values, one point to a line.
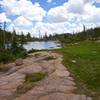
19	62
74	61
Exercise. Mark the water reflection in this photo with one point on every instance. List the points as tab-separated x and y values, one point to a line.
42	45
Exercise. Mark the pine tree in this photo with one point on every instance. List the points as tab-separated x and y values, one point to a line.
14	43
1	37
22	39
4	35
28	36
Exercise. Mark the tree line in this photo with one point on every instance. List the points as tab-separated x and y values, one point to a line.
89	34
11	44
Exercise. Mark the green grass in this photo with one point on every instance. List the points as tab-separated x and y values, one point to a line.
35	77
30	81
83	60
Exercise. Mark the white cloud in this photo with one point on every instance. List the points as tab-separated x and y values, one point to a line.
4	18
80	11
83	9
19	30
97	1
58	14
75	6
22	22
51	28
49	1
68	17
24	8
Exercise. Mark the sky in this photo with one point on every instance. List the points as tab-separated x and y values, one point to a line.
49	16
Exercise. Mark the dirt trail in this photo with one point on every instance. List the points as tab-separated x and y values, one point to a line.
59	85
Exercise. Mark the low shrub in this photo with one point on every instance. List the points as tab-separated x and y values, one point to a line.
19	52
6	56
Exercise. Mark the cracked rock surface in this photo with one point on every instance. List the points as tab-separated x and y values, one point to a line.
59	85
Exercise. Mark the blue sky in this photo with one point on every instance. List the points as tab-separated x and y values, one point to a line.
51	16
46	5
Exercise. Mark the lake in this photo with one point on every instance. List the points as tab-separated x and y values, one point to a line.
42	45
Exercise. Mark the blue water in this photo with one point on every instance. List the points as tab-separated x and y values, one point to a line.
42	45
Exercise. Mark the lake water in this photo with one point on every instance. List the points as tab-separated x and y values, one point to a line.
42	45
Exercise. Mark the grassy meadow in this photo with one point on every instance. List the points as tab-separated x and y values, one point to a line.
83	61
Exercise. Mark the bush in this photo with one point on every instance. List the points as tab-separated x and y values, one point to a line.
19	52
6	56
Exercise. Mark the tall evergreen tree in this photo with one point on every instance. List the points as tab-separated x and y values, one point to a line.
4	35
22	39
14	43
28	36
